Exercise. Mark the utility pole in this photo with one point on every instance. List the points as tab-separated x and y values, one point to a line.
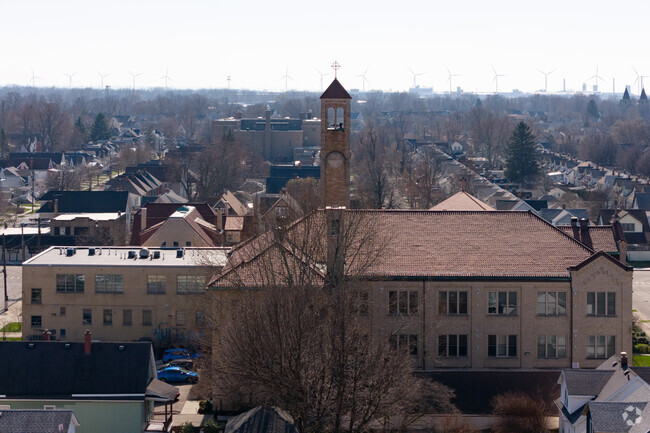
4	267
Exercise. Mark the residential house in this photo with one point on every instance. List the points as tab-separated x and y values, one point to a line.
140	184
634	223
38	421
462	201
183	228
119	293
110	387
614	397
153	214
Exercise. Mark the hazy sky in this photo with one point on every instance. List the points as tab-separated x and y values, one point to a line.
200	43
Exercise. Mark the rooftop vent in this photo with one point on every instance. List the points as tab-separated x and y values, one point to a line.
179	254
91	251
156	254
120	348
66	346
132	254
30	346
69	252
144	253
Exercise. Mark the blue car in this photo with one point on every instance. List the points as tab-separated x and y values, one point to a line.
177	374
180	353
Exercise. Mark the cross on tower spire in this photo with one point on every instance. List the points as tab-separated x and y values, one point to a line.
336	66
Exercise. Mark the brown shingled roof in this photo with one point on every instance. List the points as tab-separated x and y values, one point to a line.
601	238
453	244
335	91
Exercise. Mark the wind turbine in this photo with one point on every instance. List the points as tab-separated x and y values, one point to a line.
134	76
286	78
102	78
596	78
70	78
450	77
166	77
496	80
364	80
34	78
639	79
546	74
415	76
321	78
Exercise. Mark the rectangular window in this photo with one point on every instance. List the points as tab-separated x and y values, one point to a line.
502	303
452	303
87	316
70	283
62	311
601	346
180	318
156	284
62	334
502	346
37	296
109	283
551	303
551	346
601	303
127	317
200	318
627	227
146	318
403	302
452	345
108	317
37	322
190	284
405	342
360	302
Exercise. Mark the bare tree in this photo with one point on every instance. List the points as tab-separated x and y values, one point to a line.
289	333
376	168
422	174
63	180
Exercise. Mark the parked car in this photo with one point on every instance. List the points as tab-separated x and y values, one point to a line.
186	363
177	374
178	353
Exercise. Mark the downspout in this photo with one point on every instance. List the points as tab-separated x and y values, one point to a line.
424	325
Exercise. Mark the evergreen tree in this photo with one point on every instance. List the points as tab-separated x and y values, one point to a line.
99	130
521	161
4	145
592	110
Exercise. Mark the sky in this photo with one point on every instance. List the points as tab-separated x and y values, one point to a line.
199	44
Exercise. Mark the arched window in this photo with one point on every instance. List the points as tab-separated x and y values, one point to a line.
339	119
331	118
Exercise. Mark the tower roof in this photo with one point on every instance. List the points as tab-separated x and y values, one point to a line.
335	91
626	95
643	97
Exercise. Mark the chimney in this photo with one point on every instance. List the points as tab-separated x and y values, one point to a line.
87	342
335	245
575	228
45	336
585	236
624	360
56	207
143	218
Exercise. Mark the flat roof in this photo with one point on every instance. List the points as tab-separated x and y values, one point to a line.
105	216
11	231
119	256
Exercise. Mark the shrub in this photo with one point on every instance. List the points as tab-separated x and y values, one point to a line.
205	406
642	348
187	427
211	426
520	413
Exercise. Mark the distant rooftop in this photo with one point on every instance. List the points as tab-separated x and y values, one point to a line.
107	216
119	256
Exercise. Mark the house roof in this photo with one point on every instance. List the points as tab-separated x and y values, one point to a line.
599	238
37	421
462	201
445	244
85	201
262	419
642	200
609	417
235	205
234	223
62	370
159	212
161	391
586	382
191	216
335	91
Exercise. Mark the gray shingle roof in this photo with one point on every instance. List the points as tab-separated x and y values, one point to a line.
262	419
586	382
37	421
618	417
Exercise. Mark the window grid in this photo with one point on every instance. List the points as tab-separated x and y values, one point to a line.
452	303
551	303
551	346
37	296
403	302
156	284
601	346
108	317
190	284
405	342
109	283
452	345
601	303
70	283
502	303
502	346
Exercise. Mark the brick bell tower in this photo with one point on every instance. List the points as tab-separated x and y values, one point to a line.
335	143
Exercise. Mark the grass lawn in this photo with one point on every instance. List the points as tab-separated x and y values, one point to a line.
641	361
10	339
12	327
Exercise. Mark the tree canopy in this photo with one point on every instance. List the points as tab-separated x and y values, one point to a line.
521	163
99	130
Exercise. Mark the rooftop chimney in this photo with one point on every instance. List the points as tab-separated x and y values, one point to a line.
46	335
585	236
87	342
56	207
624	360
143	218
